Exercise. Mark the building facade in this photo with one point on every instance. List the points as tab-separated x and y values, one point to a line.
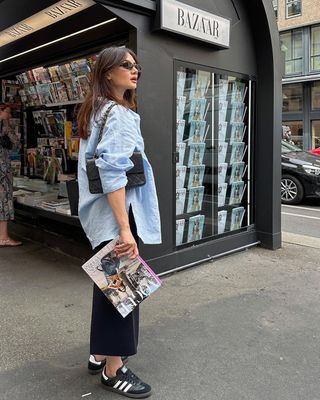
299	26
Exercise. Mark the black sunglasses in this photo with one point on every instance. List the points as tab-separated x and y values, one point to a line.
129	66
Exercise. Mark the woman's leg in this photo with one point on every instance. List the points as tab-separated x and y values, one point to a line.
4	230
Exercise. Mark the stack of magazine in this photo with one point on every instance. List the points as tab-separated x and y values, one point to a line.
126	283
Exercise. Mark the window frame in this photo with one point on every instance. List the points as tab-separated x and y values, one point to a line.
311	57
293	32
288	3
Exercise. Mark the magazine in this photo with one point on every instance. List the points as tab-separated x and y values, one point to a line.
126	283
181	80
196	153
180	176
180	200
222	217
179	231
223	109
197	110
83	86
222	152
197	132
237	172
237	152
236	218
237	112
238	93
195	229
181	102
45	93
222	190
54	74
222	131
180	149
237	132
196	175
222	171
200	84
223	89
195	199
180	129
80	67
237	191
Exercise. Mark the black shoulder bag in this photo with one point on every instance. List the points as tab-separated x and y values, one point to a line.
135	175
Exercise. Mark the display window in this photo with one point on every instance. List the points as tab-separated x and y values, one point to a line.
213	145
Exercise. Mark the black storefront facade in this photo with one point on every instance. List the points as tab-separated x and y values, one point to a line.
210	115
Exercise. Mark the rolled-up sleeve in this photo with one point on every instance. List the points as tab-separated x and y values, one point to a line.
115	149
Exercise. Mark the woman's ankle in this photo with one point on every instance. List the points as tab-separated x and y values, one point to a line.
112	366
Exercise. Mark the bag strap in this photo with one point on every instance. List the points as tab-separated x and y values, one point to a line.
103	123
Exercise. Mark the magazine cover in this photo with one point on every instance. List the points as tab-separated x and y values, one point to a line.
237	191
222	190
237	152
60	117
195	229
44	93
223	109
196	175
222	152
237	218
83	85
197	132
181	102
53	72
180	129
196	153
62	96
71	87
237	132
237	112
238	93
180	149
195	199
222	131
180	200
222	217
200	84
237	172
181	80
197	110
80	67
179	231
222	171
180	176
38	123
223	89
126	283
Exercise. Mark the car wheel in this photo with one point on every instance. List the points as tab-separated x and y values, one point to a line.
291	190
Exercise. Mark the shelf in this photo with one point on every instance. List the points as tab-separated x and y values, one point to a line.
49	105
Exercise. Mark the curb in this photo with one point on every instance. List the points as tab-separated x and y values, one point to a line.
301	240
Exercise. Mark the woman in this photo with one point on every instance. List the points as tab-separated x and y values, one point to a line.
6	184
128	212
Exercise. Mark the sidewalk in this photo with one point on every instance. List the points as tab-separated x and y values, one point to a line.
245	327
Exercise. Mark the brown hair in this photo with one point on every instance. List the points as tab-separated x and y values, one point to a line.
3	106
101	89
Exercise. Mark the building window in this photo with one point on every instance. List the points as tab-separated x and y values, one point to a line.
315	96
295	132
293	8
292	96
315	134
291	44
315	48
275	6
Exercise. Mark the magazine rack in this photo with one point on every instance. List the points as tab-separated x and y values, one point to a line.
213	146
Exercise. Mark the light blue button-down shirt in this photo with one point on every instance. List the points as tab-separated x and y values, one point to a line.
121	136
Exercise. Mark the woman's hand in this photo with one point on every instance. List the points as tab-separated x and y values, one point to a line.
127	245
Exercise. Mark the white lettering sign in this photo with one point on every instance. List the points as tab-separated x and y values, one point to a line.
46	17
190	21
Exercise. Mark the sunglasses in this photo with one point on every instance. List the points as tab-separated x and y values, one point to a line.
129	66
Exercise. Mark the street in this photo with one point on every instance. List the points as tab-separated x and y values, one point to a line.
302	219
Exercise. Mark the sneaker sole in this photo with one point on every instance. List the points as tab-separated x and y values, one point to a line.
134	396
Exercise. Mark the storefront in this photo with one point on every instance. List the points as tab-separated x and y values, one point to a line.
209	100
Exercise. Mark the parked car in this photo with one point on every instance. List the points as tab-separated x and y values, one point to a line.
300	174
315	151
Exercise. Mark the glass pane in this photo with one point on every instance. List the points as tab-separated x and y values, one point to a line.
291	45
315	96
194	135
292	98
285	39
293	132
315	48
212	174
315	134
315	63
297	44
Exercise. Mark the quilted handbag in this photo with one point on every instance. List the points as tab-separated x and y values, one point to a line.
135	175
